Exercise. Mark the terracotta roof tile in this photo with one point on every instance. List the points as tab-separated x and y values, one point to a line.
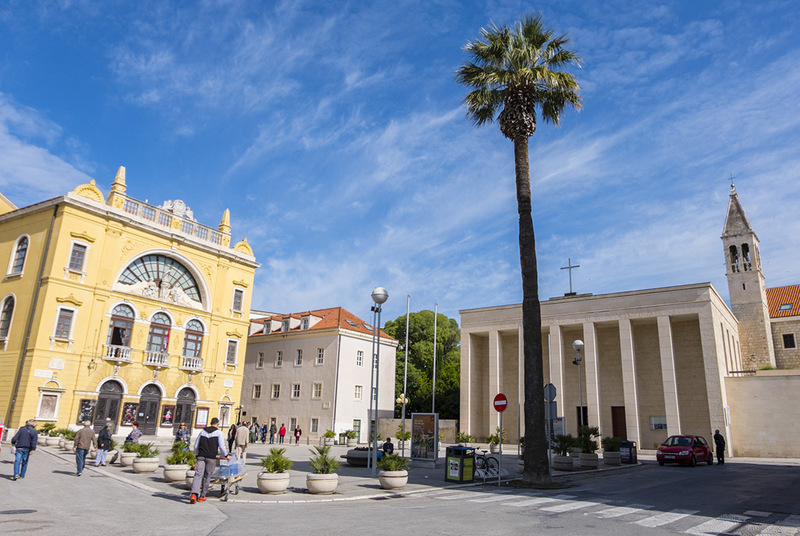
329	319
783	301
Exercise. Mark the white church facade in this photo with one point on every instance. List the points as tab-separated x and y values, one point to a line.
655	362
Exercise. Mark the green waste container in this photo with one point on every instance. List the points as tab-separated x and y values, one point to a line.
460	464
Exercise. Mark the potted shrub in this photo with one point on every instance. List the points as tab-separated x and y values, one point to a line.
274	478
147	461
61	433
561	446
463	439
588	456
611	454
130	451
328	437
352	438
393	472
69	440
180	460
441	438
113	453
494	440
402	438
47	431
324	478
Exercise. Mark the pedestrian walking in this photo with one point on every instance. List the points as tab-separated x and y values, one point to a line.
24	442
242	440
210	442
231	437
84	441
297	433
103	445
719	442
183	433
135	434
281	433
264	432
272	431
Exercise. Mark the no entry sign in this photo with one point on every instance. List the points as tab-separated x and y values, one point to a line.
500	402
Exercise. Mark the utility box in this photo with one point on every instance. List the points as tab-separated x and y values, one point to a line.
627	452
460	464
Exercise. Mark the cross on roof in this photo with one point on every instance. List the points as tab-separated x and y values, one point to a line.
570	267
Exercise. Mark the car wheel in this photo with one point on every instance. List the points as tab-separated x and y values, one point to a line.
710	460
661	463
694	462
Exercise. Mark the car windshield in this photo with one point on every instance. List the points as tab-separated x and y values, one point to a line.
678	441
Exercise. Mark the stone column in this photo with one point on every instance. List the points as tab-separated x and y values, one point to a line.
668	375
557	366
465	397
629	380
592	399
495	379
715	372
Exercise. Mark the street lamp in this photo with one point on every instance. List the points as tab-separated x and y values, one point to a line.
577	344
379	297
403	399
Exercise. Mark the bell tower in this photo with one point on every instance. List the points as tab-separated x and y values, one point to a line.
746	287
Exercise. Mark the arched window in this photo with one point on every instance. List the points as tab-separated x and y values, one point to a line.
19	256
734	259
163	274
746	257
121	326
193	341
5	317
158	339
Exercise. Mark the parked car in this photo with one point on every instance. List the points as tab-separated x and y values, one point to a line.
685	449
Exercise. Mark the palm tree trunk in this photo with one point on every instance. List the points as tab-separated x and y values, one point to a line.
537	467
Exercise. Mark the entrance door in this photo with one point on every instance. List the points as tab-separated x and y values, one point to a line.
183	409
581	418
149	402
618	424
108	403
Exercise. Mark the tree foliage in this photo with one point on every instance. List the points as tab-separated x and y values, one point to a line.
420	363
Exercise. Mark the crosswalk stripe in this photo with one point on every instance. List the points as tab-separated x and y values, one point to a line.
718	525
539	500
499	498
791	521
570	506
665	518
620	511
786	527
457	496
757	513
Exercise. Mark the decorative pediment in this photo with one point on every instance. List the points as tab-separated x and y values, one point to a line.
243	247
70	299
82	236
90	191
240	283
234	334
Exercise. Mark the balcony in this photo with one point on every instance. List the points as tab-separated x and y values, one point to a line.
162	218
156	359
117	354
191	364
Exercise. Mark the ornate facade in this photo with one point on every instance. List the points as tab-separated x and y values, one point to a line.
112	308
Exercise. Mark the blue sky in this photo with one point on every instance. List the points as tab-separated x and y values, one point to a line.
335	134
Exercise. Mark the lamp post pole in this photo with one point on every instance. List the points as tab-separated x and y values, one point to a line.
577	344
433	390
405	377
379	297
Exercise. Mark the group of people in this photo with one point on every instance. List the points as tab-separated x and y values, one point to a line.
239	436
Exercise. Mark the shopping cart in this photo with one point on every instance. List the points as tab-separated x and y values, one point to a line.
228	473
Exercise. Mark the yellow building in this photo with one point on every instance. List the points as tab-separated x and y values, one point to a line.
113	308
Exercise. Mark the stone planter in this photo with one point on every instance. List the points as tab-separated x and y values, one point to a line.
328	441
318	484
520	466
575	452
112	456
588	460
145	465
189	478
126	458
612	458
175	472
69	446
494	448
393	479
61	442
563	463
273	483
91	455
52	441
352	442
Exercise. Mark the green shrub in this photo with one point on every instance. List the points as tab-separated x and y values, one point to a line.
562	443
130	446
585	441
146	450
181	457
276	461
329	434
500	436
393	462
610	444
322	462
47	429
399	434
461	437
179	445
69	435
350	434
61	432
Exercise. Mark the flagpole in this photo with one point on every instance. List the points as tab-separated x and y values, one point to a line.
405	377
433	391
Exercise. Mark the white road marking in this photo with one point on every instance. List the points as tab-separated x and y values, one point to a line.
786	527
620	511
539	500
499	498
757	513
718	525
570	506
457	496
665	518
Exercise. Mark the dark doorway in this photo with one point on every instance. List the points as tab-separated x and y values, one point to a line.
183	409
149	402
108	403
581	419
618	425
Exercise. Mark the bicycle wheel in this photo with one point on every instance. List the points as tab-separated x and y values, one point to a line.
492	463
480	463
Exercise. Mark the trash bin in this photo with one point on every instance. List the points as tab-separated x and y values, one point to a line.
627	451
460	464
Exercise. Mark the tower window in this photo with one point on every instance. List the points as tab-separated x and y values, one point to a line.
788	340
734	259
746	258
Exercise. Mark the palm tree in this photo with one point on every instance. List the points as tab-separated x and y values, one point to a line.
514	76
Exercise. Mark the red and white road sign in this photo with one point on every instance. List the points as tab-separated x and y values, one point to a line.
500	402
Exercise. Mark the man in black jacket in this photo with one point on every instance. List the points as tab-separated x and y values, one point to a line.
719	442
25	442
209	442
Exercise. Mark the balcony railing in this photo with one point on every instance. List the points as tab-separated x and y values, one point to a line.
194	364
118	354
156	359
157	216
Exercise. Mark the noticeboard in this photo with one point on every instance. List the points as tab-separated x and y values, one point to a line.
425	436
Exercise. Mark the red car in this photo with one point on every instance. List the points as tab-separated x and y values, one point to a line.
685	449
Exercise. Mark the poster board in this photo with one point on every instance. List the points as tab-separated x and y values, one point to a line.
167	416
129	413
202	418
425	436
86	410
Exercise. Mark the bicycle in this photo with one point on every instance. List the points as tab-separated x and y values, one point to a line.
487	463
